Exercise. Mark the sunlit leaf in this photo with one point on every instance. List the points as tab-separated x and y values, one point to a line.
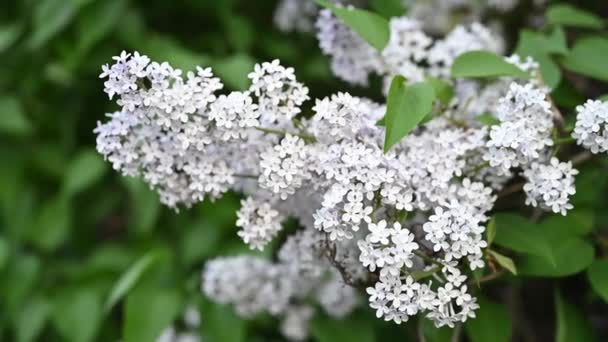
482	64
406	107
370	26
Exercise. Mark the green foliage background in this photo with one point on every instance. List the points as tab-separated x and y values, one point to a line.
88	255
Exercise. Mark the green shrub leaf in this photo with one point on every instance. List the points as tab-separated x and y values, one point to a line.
83	171
588	57
570	256
406	107
128	279
598	277
504	261
77	314
567	15
481	64
370	26
571	324
148	311
493	323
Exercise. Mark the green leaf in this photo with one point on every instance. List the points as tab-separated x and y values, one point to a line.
443	90
12	117
370	26
83	171
487	119
145	205
481	64
406	107
491	231
50	18
91	29
148	311
504	261
434	334
578	222
588	57
532	43
492	323
19	279
9	33
77	314
549	70
598	277
567	15
31	319
222	324
388	8
571	324
5	252
199	241
129	279
570	256
52	226
165	48
519	234
357	329
234	70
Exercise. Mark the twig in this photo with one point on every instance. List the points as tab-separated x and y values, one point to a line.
511	190
421	337
456	333
581	157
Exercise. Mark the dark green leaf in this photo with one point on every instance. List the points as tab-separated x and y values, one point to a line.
12	118
52	226
567	15
51	17
571	324
370	26
406	107
493	323
92	30
598	277
145	205
504	261
578	222
148	312
5	252
9	34
129	279
519	234
481	64
324	329
588	57
223	324
77	314
83	171
31	319
570	256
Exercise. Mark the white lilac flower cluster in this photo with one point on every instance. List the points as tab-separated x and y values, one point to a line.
182	138
591	128
551	185
410	52
259	222
407	225
286	287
